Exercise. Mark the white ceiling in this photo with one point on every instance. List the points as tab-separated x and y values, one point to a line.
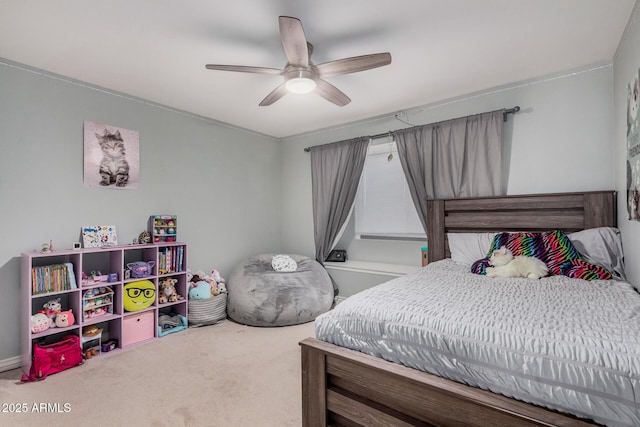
156	50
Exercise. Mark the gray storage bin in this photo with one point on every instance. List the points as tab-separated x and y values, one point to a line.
207	311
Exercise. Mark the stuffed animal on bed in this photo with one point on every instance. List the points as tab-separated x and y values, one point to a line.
506	265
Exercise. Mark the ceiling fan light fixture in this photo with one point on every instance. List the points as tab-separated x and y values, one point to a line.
300	80
300	85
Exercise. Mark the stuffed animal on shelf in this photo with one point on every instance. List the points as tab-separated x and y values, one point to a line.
168	291
138	295
40	323
144	237
141	269
51	309
65	318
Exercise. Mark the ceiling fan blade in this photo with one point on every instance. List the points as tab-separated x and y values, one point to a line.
331	93
294	41
244	69
354	64
275	95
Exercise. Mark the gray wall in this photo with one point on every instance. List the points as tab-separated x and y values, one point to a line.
626	64
560	141
222	182
238	193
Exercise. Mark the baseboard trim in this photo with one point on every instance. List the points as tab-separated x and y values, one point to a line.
10	364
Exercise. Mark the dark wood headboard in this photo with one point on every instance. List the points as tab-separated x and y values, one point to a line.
534	212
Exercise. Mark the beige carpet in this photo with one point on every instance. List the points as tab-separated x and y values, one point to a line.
224	375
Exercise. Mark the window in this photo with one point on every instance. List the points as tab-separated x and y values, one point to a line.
384	208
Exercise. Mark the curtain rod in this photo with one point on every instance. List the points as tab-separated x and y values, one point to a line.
505	112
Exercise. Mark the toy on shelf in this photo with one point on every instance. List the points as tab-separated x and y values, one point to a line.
141	269
40	323
168	291
144	237
65	318
97	302
163	228
96	277
51	309
138	295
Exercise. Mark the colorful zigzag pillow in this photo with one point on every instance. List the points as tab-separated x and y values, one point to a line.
552	247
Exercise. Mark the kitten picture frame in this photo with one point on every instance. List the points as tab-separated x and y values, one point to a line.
111	157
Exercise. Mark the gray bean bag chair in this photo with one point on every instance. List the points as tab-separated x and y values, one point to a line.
258	295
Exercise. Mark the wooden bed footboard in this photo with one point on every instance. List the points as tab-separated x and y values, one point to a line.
344	387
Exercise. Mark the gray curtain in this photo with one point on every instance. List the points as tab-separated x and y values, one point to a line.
335	175
451	159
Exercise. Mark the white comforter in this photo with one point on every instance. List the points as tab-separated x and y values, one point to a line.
562	343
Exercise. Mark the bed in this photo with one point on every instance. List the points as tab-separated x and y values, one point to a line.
342	386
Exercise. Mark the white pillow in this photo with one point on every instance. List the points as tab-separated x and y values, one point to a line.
601	246
283	263
467	248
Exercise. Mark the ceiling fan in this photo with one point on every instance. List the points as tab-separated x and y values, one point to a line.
300	74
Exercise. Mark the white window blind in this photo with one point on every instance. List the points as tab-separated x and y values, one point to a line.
384	208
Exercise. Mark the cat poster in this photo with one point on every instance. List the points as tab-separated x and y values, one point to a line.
633	148
111	157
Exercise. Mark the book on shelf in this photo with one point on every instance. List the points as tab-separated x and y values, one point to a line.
52	278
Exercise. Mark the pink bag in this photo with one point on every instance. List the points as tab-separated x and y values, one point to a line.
51	358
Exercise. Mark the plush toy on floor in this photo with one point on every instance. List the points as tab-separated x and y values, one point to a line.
168	291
